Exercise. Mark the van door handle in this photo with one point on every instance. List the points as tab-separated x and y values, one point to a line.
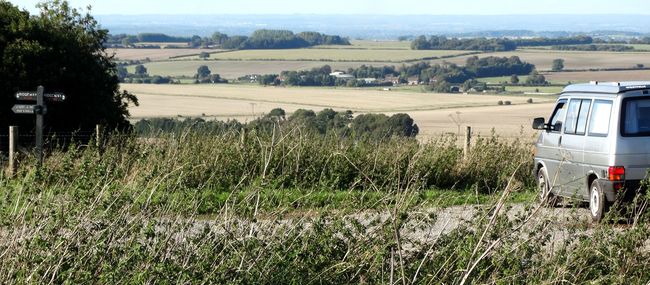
559	141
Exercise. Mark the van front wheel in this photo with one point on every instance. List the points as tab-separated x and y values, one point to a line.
544	189
597	202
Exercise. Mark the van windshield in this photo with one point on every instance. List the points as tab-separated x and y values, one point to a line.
636	115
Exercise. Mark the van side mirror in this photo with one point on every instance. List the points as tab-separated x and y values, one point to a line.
557	127
539	124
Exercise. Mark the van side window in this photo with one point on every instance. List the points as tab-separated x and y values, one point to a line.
558	115
582	117
636	117
572	116
600	117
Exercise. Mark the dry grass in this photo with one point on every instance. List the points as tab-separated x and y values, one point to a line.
153	54
431	111
573	60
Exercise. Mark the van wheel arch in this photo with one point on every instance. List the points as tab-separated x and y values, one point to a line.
590	181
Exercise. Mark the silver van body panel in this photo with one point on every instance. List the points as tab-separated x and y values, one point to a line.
572	159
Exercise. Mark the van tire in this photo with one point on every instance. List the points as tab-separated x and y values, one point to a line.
546	197
597	203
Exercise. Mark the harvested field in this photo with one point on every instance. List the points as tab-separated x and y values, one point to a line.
430	111
333	54
367	44
586	76
153	54
235	69
573	60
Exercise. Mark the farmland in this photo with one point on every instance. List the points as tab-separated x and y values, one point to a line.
585	76
573	60
235	69
153	54
368	44
334	54
430	111
234	64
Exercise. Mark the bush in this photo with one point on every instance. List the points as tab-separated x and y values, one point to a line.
500	103
507	103
529	101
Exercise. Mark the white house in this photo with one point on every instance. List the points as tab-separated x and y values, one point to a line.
342	75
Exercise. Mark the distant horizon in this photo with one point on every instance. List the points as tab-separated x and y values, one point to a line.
358	7
392	15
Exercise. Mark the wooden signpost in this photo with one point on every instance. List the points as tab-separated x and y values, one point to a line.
40	109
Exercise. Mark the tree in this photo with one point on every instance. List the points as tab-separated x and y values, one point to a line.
278	113
126	42
514	79
203	71
204	55
558	64
219	38
536	79
62	50
140	70
122	73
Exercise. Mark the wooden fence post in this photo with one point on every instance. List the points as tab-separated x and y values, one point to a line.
468	142
13	143
98	135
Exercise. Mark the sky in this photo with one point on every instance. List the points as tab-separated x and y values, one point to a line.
379	7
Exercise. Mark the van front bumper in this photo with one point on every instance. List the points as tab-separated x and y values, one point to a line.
622	191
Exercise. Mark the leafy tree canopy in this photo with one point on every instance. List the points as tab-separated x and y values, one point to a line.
61	49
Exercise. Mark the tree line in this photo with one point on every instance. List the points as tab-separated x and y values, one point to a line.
276	39
491	44
327	121
616	48
447	73
260	39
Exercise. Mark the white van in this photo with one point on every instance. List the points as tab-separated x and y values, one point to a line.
596	144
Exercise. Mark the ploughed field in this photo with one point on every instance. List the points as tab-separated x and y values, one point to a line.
434	113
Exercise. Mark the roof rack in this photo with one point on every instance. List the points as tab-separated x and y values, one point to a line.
607	87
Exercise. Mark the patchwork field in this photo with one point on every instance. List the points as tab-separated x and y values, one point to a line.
153	54
233	69
431	111
334	54
572	60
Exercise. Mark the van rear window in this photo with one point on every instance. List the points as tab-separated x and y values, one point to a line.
636	117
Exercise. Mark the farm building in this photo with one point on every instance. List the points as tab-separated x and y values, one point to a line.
392	79
342	75
370	80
